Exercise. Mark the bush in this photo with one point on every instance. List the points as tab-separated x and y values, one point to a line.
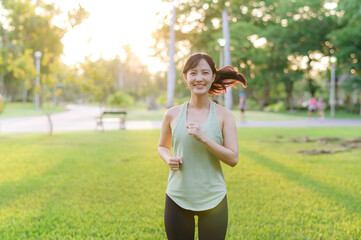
162	100
352	108
179	101
252	104
120	99
277	107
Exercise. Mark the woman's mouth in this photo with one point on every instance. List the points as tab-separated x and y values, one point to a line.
199	85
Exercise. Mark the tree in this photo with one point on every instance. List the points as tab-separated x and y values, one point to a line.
29	26
137	80
120	99
49	85
97	79
353	85
266	38
5	56
23	69
345	39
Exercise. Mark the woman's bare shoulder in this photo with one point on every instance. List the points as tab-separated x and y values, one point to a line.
173	112
223	112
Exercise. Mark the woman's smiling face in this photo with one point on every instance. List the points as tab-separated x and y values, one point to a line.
199	79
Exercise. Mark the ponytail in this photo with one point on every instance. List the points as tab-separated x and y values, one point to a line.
226	77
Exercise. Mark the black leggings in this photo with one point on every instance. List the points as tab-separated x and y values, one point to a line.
180	223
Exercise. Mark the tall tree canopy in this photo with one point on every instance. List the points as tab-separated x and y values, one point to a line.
278	45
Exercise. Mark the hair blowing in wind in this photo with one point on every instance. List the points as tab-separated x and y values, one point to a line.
225	77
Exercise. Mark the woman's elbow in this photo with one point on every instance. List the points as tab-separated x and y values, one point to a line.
234	161
160	150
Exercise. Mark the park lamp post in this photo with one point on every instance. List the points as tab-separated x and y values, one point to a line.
333	61
37	56
222	43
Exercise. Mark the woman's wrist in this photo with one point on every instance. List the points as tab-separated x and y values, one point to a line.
205	139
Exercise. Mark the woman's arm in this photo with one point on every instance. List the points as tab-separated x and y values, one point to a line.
228	153
165	142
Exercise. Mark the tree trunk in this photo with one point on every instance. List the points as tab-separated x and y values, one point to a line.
171	69
312	87
2	84
360	102
260	100
227	55
260	103
25	94
289	89
48	115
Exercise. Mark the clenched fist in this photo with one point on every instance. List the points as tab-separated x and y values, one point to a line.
194	129
174	163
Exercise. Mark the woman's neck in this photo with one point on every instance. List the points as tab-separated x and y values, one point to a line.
199	102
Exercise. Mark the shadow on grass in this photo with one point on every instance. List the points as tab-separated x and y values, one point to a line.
12	190
346	200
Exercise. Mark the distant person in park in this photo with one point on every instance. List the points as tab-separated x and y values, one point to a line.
312	107
201	133
242	106
321	106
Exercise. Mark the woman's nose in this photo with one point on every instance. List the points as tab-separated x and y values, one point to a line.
198	77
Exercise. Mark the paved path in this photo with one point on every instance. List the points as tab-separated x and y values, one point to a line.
81	118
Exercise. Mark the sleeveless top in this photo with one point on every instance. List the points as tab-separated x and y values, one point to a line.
199	183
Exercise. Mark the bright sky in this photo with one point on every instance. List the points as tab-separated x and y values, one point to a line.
111	25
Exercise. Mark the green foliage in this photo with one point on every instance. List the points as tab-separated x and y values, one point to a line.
99	185
29	27
23	68
252	104
346	37
77	16
276	107
296	35
120	99
136	78
97	79
162	100
179	100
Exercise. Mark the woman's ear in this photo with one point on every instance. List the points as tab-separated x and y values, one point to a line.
185	80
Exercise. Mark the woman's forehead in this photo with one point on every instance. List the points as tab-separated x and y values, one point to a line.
202	65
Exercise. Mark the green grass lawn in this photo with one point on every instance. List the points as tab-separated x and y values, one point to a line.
156	115
138	113
111	185
24	110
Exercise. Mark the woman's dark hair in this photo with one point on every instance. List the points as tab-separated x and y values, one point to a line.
225	77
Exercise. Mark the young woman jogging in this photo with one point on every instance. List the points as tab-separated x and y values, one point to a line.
201	134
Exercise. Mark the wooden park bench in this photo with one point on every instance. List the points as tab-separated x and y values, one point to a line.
118	115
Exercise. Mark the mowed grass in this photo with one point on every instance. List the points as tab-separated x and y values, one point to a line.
19	109
251	115
111	185
12	110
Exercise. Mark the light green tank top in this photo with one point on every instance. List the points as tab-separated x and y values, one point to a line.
199	183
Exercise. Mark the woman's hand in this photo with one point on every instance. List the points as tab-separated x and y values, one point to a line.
174	163
194	129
